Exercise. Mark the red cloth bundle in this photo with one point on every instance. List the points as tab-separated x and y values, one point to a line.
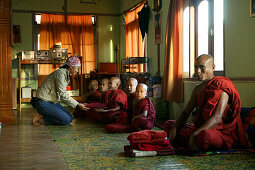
151	147
147	136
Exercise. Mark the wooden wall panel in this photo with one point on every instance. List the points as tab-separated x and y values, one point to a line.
5	62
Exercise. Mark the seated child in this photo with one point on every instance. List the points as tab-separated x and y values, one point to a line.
116	101
94	95
104	88
143	110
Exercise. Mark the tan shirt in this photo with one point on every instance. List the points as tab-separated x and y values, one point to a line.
54	88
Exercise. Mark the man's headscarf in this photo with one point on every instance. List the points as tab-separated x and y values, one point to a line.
73	61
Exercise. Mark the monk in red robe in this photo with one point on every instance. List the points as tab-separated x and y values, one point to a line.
94	95
143	110
132	84
116	102
104	88
124	122
217	123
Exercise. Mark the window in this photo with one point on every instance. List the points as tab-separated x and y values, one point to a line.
37	19
203	33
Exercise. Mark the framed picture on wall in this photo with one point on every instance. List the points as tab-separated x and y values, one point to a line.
252	8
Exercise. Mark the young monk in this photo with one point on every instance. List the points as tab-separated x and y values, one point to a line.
217	123
124	122
143	110
116	101
132	84
104	88
94	95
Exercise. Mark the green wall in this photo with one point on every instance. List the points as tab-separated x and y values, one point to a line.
239	39
109	36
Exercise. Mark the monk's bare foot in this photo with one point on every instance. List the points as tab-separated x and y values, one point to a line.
37	118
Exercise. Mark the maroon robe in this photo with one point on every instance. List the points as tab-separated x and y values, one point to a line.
94	97
123	122
104	97
111	99
115	98
229	133
144	122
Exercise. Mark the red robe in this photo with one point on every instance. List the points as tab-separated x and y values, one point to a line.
229	133
144	122
104	97
94	97
131	98
115	98
123	122
111	99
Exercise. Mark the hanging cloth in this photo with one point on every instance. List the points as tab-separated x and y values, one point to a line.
143	17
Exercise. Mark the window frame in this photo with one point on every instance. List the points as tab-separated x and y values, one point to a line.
193	31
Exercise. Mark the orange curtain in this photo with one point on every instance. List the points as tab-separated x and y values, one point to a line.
172	89
52	31
77	35
82	37
134	43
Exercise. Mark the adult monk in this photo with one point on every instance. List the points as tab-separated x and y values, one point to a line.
116	101
143	110
94	95
217	123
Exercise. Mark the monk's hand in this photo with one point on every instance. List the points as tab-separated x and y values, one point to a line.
192	142
172	135
101	110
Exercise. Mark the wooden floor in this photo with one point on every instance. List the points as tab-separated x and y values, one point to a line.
24	146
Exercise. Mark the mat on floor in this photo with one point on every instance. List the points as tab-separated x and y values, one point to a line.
216	152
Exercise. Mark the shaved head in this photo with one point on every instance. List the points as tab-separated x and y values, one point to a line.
132	83
141	91
206	57
93	85
144	86
204	67
104	84
114	83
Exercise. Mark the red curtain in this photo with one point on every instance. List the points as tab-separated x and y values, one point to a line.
134	43
172	89
73	32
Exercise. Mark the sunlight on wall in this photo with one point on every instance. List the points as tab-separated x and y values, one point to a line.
203	28
218	35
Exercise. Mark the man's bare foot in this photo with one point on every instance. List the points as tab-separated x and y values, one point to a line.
37	118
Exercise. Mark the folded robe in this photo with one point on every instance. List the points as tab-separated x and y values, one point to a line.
147	136
151	146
